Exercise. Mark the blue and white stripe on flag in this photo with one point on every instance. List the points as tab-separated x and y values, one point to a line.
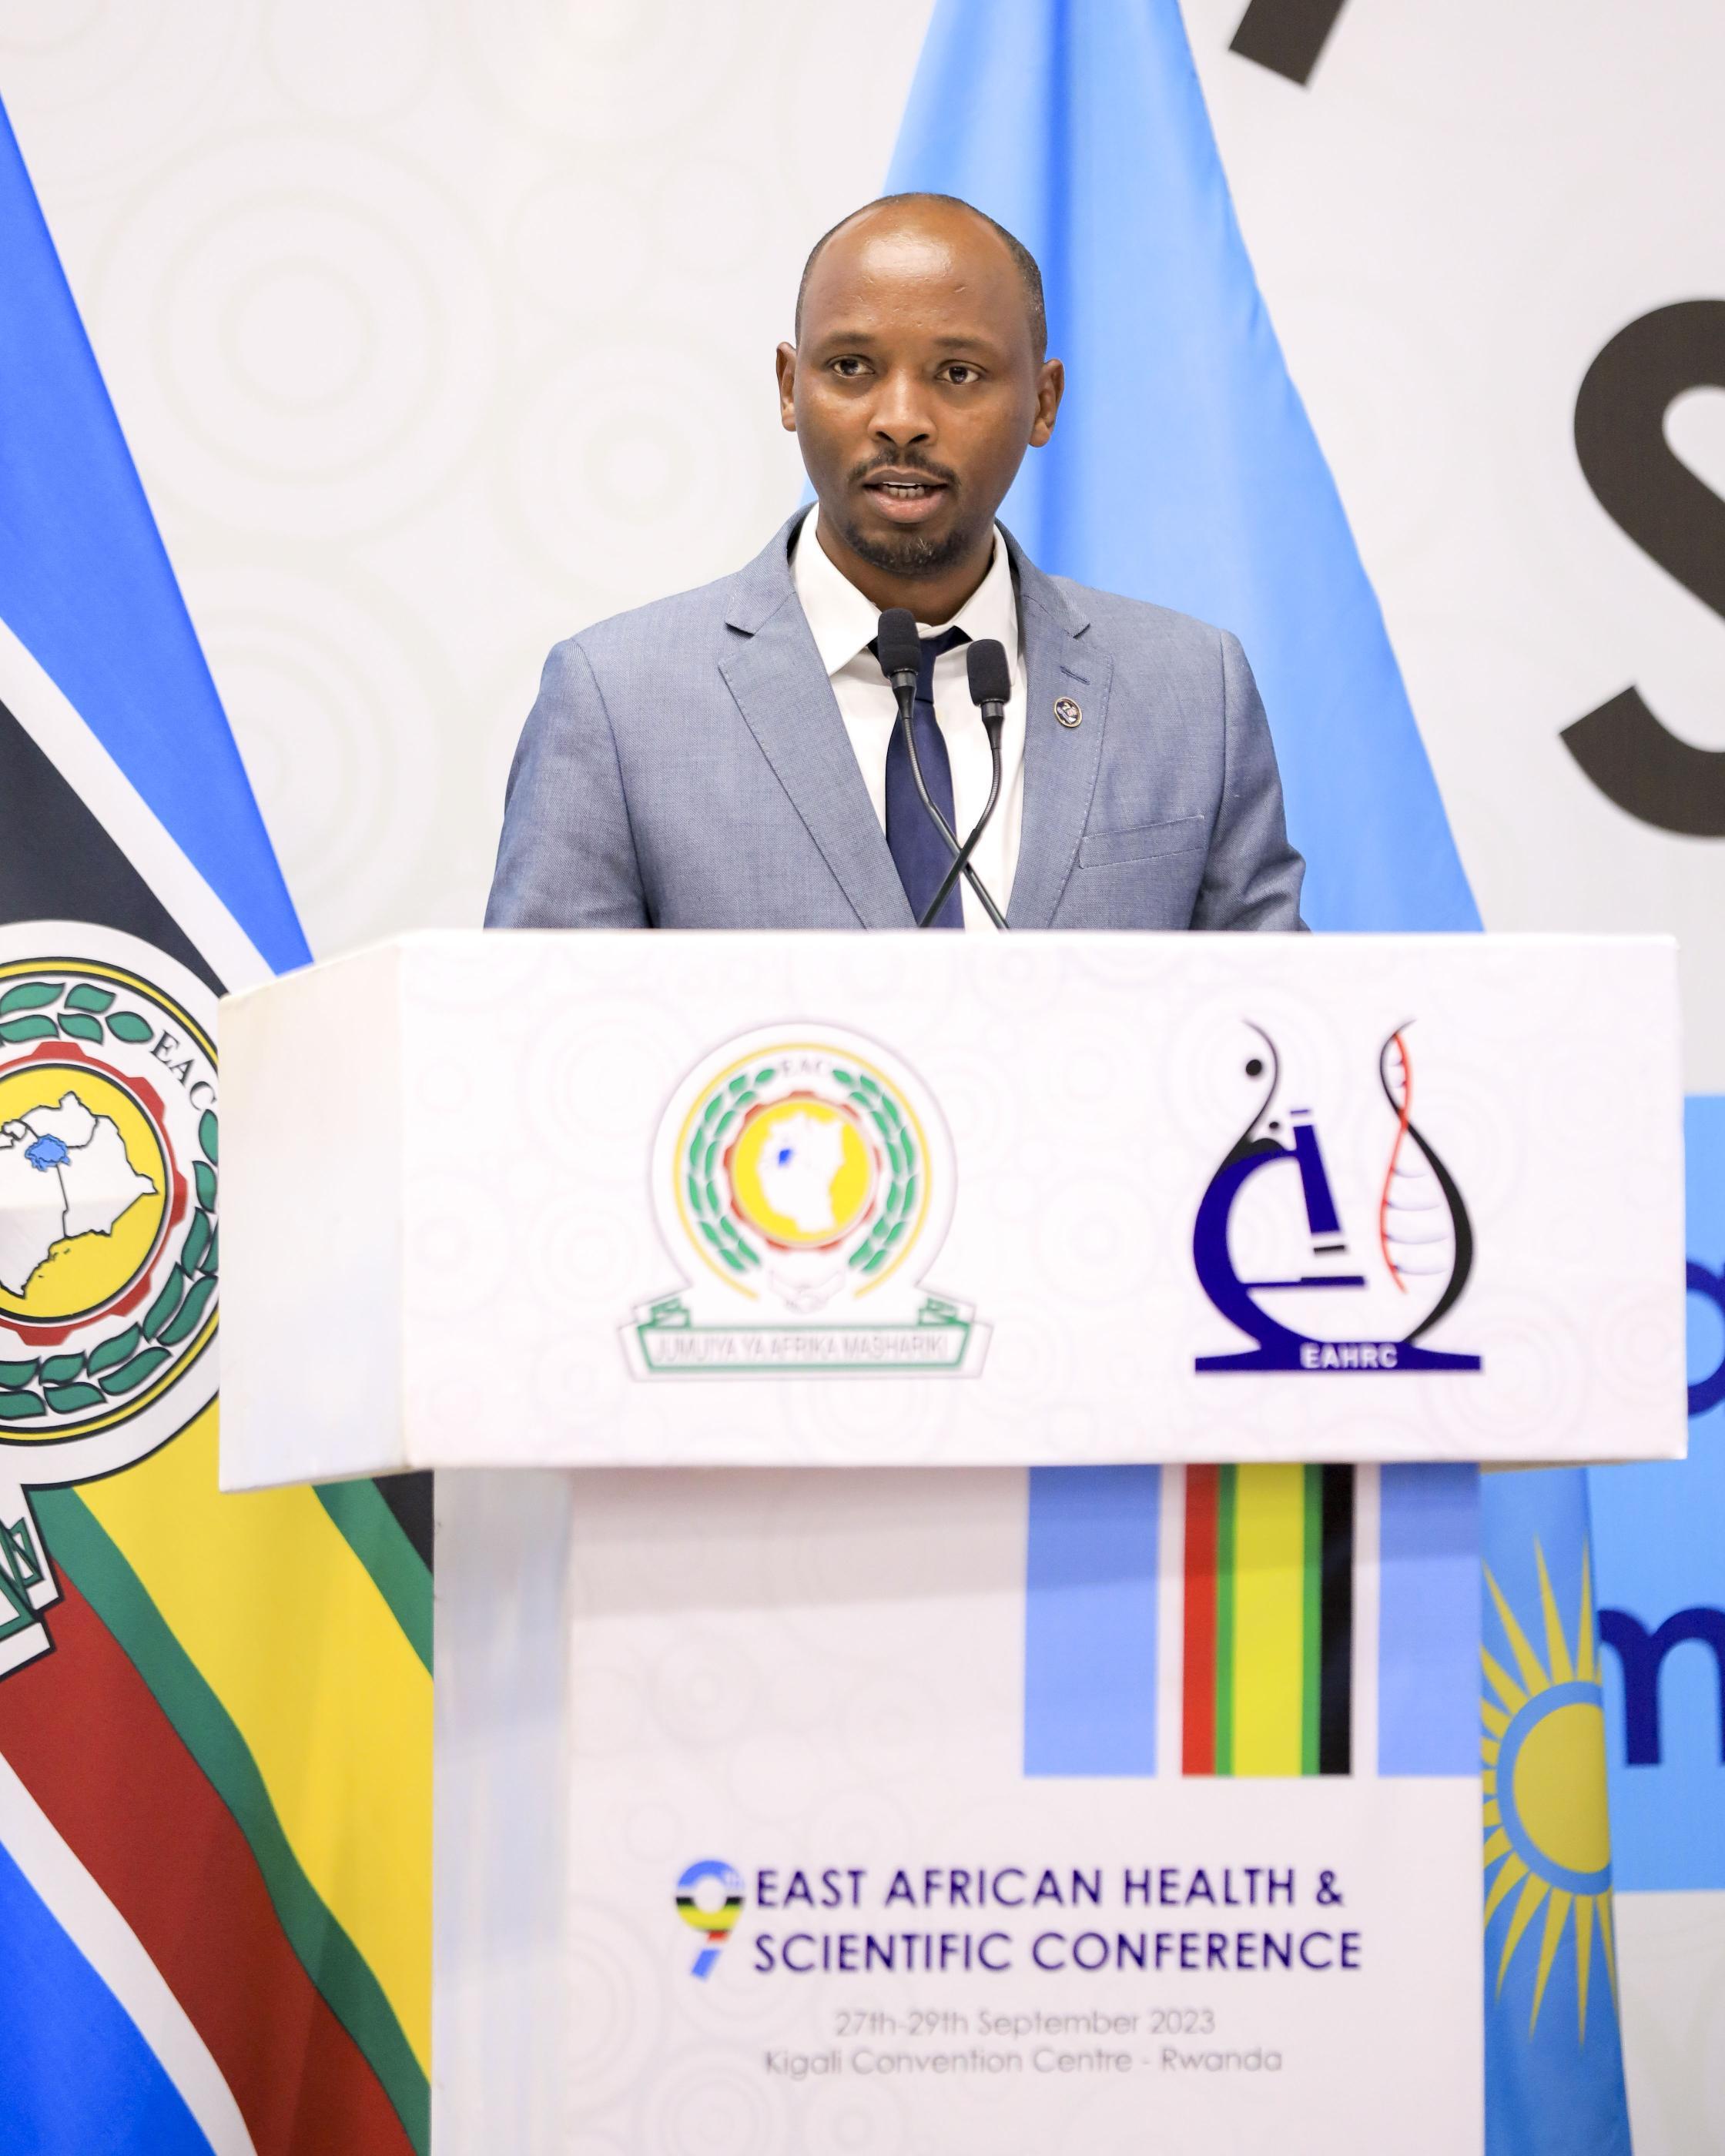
99	661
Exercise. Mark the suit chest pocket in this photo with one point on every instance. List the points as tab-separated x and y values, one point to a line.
1146	842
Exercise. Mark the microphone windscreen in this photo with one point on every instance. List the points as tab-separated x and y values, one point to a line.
990	677
897	644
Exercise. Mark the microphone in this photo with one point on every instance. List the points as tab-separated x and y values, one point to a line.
990	685
899	649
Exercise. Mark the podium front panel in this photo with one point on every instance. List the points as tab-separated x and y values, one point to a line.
829	1201
796	1813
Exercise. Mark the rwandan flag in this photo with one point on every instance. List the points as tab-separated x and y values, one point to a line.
1553	2053
1185	470
215	1712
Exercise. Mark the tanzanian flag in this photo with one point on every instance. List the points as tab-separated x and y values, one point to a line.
215	1712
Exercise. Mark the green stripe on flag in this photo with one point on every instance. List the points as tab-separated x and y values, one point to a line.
101	1574
380	1543
1225	1480
1311	1673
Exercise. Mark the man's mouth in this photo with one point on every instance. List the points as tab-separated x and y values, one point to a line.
904	495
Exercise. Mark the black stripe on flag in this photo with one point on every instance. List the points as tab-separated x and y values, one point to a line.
1335	1685
409	1496
57	862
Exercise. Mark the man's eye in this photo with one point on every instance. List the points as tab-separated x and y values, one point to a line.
960	371
849	365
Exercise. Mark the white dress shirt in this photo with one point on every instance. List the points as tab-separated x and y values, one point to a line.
844	623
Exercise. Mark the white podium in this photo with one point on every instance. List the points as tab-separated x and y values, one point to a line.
869	1795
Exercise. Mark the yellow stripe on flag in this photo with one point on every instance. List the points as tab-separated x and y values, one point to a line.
1269	1619
265	1596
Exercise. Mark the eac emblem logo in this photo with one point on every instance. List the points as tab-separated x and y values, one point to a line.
803	1181
109	1252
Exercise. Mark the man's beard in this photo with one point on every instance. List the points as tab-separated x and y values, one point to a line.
910	554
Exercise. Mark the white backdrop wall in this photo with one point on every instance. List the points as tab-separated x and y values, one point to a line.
440	328
1449	222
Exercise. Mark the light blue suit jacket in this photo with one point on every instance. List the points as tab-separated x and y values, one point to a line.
685	767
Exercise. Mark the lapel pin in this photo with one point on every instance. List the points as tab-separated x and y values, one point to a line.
1066	711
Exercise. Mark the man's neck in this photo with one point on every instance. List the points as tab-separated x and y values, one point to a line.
931	598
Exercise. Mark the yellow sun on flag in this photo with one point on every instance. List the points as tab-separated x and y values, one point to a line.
1547	1829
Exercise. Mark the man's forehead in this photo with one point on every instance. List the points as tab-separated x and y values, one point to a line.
936	251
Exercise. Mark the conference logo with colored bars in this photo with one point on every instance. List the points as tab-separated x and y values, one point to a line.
1267	1650
710	1900
1267	1621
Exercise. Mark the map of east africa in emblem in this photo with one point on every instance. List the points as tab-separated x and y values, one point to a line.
109	1152
803	1181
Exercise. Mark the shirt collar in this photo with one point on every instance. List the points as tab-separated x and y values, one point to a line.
843	622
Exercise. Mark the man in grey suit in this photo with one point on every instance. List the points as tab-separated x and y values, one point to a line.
732	759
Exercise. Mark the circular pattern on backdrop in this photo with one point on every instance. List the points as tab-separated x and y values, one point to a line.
320	320
650	440
40	33
616	2004
330	692
713	2103
560	68
712	218
119	80
575	241
385	51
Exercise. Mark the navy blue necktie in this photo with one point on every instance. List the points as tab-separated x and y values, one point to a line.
919	852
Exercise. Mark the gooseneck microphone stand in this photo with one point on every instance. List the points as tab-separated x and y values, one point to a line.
899	649
990	685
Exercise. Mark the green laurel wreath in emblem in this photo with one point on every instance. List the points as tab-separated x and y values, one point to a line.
724	1109
900	1203
72	1384
722	1112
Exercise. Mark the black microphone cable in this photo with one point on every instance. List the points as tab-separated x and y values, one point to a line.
990	685
899	649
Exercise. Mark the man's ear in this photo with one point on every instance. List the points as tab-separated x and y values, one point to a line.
1051	387
785	362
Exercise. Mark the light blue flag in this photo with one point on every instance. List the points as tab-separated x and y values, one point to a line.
1553	2053
1185	470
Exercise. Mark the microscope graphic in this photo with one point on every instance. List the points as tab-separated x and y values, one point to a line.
1343	1301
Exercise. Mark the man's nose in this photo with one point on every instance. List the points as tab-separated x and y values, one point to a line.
903	413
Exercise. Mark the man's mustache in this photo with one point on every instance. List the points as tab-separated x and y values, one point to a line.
864	472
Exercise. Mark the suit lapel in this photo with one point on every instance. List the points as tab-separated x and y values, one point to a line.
1061	762
774	672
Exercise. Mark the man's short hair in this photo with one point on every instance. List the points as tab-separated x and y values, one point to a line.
1029	276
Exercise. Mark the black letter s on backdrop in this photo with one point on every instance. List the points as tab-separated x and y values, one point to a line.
1287	36
1675	517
